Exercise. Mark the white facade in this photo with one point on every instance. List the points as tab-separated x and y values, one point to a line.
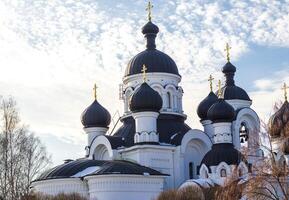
178	157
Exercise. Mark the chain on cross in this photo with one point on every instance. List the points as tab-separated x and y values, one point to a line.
219	89
149	9
95	91
227	49
211	82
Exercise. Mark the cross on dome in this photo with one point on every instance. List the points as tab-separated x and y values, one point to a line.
227	49
144	75
211	82
94	91
219	89
149	9
285	87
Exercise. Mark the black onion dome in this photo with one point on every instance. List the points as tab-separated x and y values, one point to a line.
224	152
221	111
150	28
145	99
95	116
205	105
155	60
279	122
230	90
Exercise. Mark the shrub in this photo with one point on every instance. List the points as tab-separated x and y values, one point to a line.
72	196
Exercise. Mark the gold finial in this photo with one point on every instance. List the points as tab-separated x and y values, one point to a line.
227	49
94	91
149	9
144	74
285	87
219	89
211	82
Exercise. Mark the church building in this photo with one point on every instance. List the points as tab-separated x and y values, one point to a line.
154	149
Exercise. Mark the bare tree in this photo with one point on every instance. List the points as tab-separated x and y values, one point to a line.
269	179
22	154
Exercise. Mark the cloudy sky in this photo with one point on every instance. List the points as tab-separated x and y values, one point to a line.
53	51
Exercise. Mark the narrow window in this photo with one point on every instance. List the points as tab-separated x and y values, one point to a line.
169	100
191	170
244	134
223	173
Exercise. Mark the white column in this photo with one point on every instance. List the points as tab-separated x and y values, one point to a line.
208	128
222	132
93	132
146	126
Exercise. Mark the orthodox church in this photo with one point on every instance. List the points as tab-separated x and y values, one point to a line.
154	149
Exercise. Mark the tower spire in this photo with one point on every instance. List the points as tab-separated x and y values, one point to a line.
285	87
227	49
211	82
144	75
94	91
149	9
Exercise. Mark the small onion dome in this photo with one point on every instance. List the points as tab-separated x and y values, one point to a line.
285	146
279	122
230	90
95	116
221	111
205	105
155	60
222	153
150	28
145	99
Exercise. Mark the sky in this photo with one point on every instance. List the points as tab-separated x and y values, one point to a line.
53	51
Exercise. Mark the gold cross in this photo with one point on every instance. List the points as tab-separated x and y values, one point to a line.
94	91
149	9
144	75
219	89
211	82
285	87
227	49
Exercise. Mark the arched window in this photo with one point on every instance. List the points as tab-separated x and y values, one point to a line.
223	173
191	170
169	100
206	175
244	133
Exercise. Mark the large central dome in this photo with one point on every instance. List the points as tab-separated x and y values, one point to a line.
155	60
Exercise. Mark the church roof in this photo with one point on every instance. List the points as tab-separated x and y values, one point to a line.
279	122
205	105
171	129
80	168
155	60
224	152
221	111
230	90
145	99
95	115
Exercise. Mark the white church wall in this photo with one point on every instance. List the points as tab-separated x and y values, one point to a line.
195	144
123	187
58	186
101	149
248	117
208	128
156	157
222	132
238	103
164	83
